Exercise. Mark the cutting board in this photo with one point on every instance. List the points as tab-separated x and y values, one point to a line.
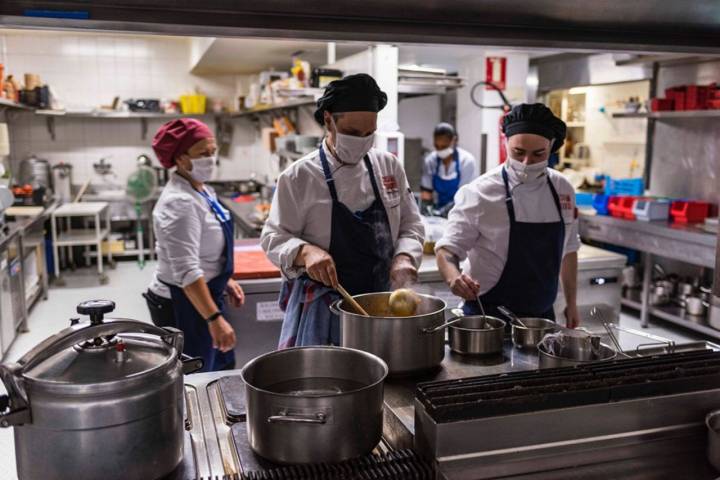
252	263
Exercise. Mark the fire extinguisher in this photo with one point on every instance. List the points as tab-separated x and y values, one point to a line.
506	107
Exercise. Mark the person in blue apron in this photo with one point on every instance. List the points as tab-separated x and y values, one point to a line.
445	170
343	215
515	228
194	247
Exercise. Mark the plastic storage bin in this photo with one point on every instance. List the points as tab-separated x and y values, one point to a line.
627	205
615	206
689	211
650	209
626	186
583	199
193	104
600	204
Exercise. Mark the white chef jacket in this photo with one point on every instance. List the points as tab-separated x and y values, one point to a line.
469	169
301	211
190	240
478	228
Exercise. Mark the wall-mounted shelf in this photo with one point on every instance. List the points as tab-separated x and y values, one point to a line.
670	115
7	104
272	108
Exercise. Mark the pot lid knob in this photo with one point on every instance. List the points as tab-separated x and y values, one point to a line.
96	309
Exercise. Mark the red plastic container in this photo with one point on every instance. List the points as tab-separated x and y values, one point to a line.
677	96
627	204
615	206
696	97
689	211
661	104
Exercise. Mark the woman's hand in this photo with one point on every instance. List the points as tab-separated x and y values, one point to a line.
235	293
223	335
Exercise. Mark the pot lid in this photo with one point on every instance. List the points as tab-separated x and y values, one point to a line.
102	360
101	351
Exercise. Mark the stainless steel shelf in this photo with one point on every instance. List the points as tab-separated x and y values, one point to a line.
81	237
4	103
670	115
626	302
678	316
273	108
115	115
686	243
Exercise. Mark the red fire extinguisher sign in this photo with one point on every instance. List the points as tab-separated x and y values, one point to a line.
495	72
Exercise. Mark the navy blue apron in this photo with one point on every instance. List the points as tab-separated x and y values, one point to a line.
198	342
446	189
361	243
528	284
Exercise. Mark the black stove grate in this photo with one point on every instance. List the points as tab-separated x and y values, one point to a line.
521	392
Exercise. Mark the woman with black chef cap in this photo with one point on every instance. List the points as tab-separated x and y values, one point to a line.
194	247
516	226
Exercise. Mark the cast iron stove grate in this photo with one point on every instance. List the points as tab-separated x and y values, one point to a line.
521	392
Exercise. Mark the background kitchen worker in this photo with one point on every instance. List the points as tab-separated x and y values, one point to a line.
194	247
446	169
517	226
343	213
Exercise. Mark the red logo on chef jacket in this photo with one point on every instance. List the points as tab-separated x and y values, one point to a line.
566	202
390	184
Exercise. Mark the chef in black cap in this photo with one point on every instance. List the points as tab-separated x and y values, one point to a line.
342	214
516	226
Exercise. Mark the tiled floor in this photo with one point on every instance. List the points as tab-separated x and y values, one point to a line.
126	284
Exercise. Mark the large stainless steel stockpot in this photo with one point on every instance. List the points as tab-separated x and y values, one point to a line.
406	344
314	404
101	399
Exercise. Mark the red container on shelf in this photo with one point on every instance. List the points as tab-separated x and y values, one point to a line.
696	97
677	96
689	211
661	104
627	204
615	206
714	103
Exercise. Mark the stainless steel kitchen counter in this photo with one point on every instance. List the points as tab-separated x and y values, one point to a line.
687	243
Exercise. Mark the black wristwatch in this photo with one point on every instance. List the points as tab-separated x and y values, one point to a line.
213	317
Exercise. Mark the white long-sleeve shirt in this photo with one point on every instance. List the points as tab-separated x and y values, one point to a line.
478	228
301	211
190	240
469	169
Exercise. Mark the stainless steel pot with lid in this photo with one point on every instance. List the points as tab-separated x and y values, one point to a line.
100	399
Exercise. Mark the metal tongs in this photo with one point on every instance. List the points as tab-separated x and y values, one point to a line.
609	326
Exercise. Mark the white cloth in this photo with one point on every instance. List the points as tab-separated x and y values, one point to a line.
469	169
190	240
301	211
478	228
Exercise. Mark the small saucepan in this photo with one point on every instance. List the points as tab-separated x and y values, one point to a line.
527	332
474	334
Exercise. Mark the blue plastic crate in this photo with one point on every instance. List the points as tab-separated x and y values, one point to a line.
600	204
625	186
583	199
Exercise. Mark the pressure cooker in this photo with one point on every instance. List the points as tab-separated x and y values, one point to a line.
103	398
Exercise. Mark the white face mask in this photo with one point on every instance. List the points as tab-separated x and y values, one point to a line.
202	168
445	152
351	149
528	173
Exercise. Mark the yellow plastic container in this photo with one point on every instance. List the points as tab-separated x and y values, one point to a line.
193	104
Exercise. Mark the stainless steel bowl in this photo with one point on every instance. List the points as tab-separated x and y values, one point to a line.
477	335
570	357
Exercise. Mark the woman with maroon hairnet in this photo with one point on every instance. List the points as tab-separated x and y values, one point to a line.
194	247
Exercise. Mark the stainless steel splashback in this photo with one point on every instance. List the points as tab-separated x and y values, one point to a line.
573	70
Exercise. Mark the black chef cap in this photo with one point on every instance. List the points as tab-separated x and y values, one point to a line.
444	129
538	119
354	93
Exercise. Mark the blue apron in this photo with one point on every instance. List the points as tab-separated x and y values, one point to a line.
528	285
198	342
362	247
446	189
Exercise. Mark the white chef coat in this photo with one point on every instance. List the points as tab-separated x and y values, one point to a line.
301	211
478	228
469	169
190	240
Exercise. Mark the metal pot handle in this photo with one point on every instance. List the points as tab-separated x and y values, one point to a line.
319	418
459	315
334	307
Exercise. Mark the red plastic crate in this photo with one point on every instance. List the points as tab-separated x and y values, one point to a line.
627	204
696	97
661	104
714	103
615	206
677	96
689	211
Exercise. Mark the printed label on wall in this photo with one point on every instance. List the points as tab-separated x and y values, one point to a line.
269	311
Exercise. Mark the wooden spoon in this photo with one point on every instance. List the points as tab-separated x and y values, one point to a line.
348	298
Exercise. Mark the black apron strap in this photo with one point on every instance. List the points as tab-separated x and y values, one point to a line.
369	167
328	175
508	196
556	198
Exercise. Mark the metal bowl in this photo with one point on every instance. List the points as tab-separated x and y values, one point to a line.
570	357
470	336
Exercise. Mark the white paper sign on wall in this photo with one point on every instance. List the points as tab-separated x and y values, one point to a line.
269	312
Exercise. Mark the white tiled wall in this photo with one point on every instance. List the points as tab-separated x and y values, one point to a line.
88	70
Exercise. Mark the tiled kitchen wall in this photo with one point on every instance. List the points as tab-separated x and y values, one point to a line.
87	70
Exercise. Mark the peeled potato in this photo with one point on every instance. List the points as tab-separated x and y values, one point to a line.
404	302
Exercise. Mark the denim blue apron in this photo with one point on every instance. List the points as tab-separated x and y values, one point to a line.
198	342
446	189
528	284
